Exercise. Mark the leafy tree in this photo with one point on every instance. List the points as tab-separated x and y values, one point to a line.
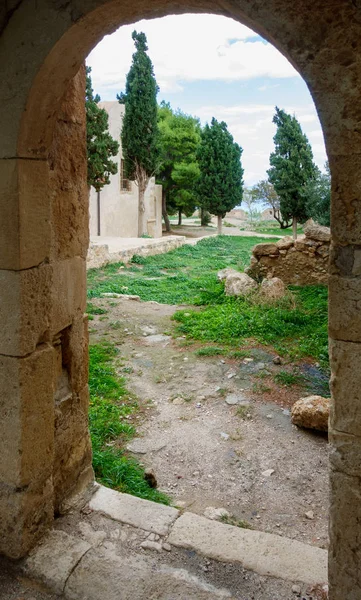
292	168
100	144
319	196
220	185
250	200
140	129
264	192
179	138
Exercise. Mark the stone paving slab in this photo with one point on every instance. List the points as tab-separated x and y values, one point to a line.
104	575
150	516
54	558
264	553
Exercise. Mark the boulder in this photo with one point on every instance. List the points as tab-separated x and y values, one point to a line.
239	284
272	288
265	249
317	232
285	243
223	274
311	412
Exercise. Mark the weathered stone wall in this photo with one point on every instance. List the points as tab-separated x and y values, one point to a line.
301	262
45	449
100	254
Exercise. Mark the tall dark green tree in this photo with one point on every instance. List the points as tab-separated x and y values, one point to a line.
100	144
319	197
220	185
179	139
292	168
140	129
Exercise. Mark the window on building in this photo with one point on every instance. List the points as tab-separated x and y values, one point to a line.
125	184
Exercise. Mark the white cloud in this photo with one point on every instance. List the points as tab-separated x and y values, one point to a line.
188	48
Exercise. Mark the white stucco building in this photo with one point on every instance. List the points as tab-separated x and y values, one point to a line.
116	212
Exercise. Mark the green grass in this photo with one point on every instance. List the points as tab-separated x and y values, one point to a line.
110	405
295	330
286	378
230	520
184	276
273	228
211	351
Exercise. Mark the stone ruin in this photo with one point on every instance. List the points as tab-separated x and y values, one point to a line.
300	262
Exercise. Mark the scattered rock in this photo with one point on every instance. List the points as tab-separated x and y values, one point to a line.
285	243
268	472
224	435
248	360
310	515
149	545
215	514
317	232
143	446
311	412
224	273
232	399
272	288
167	547
177	401
150	478
158	338
239	284
277	360
296	590
123	296
265	249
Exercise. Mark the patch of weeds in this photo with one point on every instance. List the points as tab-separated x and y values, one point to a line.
230	520
91	309
288	379
211	351
159	379
115	325
260	388
103	318
110	406
238	354
138	260
236	436
127	370
243	411
223	392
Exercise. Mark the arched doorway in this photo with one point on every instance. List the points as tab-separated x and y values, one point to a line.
44	241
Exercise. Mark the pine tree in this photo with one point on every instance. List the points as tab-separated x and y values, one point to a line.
220	185
140	130
319	197
179	138
292	168
100	144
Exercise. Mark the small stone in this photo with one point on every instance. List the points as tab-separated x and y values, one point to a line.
296	590
178	401
310	515
167	547
225	436
248	360
268	472
269	417
215	514
149	545
277	360
198	405
311	412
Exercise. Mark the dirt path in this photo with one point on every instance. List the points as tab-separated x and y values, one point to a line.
206	452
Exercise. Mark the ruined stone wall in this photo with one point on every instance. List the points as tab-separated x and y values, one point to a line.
301	262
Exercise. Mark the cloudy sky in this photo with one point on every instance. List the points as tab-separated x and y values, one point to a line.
211	66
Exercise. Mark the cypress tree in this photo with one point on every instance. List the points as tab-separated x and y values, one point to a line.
140	131
100	144
292	168
220	185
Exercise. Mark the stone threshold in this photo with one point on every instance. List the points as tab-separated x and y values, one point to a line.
65	563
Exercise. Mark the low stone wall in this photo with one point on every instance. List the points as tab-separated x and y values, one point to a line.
302	262
100	254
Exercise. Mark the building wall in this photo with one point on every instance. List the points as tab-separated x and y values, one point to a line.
119	208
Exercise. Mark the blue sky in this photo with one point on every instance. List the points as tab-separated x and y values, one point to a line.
212	66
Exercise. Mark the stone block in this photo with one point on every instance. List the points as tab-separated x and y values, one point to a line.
137	512
346	198
74	342
25	213
68	293
26	514
344	308
267	554
345	451
25	302
27	417
265	249
55	558
345	387
345	548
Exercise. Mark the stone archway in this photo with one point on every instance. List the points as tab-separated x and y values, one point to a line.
44	442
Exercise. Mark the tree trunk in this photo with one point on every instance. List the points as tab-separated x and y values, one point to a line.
164	211
219	224
98	212
179	216
142	226
294	228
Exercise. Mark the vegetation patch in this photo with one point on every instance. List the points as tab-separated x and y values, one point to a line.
287	378
111	406
296	331
230	520
186	275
